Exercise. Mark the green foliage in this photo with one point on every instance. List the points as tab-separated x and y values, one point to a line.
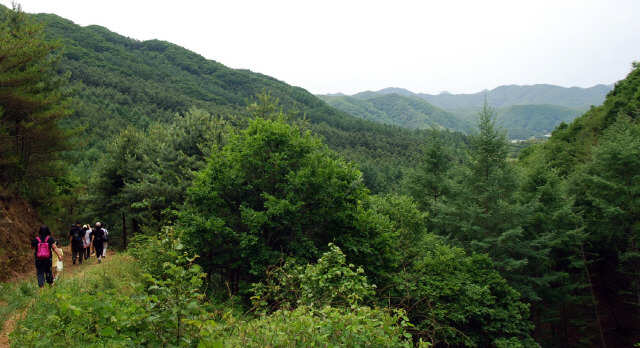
526	121
459	299
571	144
33	103
144	174
123	307
430	181
524	111
324	327
606	190
14	297
271	191
173	301
84	310
607	186
402	111
482	211
153	251
329	282
120	82
581	183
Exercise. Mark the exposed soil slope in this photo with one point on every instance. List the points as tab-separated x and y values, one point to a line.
19	223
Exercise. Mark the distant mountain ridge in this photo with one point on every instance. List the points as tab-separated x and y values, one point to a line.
524	111
509	95
399	110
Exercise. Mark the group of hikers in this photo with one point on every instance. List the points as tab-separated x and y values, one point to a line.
84	240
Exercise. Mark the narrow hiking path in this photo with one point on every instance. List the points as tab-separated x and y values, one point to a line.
69	271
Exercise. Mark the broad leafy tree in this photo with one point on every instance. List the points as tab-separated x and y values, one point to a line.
459	299
274	190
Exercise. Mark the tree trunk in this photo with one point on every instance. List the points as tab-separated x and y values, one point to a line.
593	296
124	232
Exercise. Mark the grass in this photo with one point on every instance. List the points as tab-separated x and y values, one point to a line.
89	283
14	297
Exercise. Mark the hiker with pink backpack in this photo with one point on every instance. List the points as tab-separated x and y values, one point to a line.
45	245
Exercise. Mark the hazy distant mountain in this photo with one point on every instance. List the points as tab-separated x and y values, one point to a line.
390	90
524	111
523	95
399	110
525	121
503	96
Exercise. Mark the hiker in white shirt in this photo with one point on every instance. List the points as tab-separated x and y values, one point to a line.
105	243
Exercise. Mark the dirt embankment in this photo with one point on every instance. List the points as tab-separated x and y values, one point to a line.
19	223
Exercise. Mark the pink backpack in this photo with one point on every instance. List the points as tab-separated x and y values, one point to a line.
44	251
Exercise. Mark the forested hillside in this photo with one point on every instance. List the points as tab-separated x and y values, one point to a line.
504	96
401	111
524	111
526	121
120	82
261	214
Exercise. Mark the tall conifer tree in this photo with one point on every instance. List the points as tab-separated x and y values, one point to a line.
482	212
32	102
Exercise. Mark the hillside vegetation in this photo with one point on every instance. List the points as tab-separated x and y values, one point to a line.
504	96
401	111
262	216
120	82
523	111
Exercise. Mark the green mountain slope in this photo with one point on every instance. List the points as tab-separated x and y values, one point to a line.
524	111
525	121
120	82
571	144
504	96
403	111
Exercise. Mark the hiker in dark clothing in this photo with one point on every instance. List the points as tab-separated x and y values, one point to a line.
44	245
97	238
76	235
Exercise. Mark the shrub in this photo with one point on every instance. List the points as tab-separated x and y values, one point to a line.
331	281
325	327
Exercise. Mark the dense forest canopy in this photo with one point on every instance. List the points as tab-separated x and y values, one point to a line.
246	193
121	82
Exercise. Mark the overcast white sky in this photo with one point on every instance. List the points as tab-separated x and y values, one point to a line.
351	46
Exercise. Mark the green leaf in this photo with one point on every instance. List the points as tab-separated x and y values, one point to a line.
108	331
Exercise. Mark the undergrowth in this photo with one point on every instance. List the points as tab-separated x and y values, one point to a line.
155	296
14	297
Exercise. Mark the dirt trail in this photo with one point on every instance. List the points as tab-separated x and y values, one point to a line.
70	270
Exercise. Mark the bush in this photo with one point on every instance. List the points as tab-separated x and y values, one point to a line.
329	282
461	300
119	307
324	327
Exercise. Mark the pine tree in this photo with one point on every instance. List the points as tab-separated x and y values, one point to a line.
32	102
560	278
429	183
607	195
482	212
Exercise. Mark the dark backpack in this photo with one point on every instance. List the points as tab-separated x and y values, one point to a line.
78	233
98	235
44	251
